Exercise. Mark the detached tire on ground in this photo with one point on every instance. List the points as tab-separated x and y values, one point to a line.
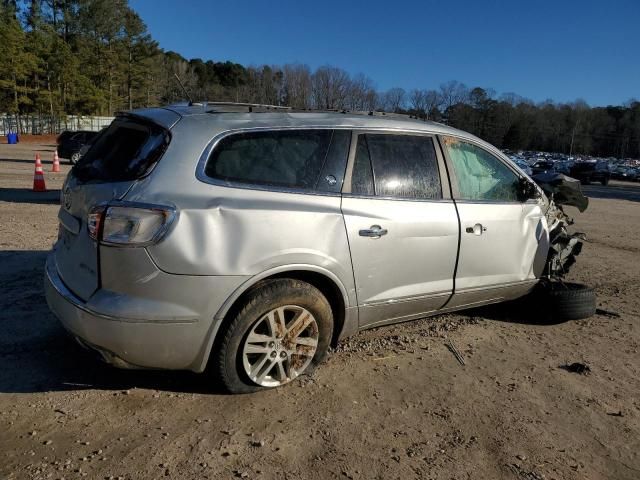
282	330
570	301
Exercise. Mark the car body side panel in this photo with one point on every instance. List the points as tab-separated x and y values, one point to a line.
506	258
226	231
410	269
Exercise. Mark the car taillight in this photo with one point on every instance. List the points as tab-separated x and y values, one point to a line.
129	224
94	221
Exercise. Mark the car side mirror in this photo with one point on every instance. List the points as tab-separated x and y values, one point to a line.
526	190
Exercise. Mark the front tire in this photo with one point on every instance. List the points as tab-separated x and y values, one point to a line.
570	301
282	330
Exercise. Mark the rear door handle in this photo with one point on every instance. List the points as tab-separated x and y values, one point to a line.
376	231
477	229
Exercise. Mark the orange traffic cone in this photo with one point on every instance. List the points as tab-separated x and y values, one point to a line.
56	162
38	177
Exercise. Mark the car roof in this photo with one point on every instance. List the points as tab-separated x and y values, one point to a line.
244	116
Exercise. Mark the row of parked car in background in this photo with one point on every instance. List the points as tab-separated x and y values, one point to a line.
586	169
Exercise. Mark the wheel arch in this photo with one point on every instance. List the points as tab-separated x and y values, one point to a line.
344	314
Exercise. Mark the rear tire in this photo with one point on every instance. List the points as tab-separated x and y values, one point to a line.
270	340
570	301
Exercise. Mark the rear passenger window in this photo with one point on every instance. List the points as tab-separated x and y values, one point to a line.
402	166
304	159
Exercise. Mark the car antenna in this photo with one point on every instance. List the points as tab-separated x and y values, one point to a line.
183	89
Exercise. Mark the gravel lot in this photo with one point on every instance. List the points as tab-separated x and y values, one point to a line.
389	403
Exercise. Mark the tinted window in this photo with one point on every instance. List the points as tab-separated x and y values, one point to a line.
287	158
126	150
479	175
404	166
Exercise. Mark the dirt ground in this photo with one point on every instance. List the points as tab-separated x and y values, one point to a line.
389	403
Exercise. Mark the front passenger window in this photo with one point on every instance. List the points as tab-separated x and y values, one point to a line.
479	175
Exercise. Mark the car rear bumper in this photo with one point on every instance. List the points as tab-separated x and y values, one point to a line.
172	342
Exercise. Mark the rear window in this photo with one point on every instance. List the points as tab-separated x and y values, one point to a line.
301	159
124	151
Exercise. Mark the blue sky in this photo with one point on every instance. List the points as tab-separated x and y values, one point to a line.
562	49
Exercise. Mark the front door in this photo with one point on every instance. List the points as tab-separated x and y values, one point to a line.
402	230
504	240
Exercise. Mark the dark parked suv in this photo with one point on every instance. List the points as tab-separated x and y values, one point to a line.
542	166
70	143
588	172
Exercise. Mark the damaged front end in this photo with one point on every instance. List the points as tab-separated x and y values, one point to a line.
564	246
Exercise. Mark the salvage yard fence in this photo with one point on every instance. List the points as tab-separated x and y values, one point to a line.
44	124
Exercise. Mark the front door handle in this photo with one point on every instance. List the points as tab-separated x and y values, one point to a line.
376	231
477	229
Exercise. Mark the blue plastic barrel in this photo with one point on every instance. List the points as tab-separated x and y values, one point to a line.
12	138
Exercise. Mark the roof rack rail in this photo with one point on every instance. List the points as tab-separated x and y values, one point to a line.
239	107
370	113
222	107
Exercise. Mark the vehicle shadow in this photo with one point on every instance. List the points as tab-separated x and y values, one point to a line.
31	161
528	310
38	355
25	195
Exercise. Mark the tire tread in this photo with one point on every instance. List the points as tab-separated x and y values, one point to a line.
574	303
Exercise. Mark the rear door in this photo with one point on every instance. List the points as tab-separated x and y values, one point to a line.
127	151
504	241
402	228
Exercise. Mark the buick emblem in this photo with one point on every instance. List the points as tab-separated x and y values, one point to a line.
66	198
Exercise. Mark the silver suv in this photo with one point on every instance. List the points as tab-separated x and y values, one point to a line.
249	240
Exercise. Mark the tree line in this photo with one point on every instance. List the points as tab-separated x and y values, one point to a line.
96	57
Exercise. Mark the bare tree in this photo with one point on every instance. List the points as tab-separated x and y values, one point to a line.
329	87
432	102
417	99
297	85
513	99
393	100
361	94
452	93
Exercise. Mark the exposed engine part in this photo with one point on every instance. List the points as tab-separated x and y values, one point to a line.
564	245
563	249
562	189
